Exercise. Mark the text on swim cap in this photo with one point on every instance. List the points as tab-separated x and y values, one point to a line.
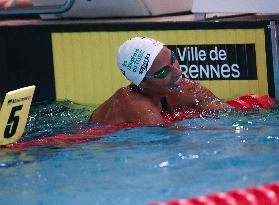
144	64
134	61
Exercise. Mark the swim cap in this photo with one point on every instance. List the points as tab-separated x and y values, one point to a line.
135	57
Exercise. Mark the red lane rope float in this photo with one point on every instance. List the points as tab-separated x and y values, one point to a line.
259	195
245	101
90	134
96	133
252	100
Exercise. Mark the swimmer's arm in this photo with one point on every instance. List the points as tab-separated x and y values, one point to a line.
205	99
215	103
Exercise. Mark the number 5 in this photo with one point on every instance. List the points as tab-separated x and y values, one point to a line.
12	124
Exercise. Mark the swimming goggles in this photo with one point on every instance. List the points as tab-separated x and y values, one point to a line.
164	71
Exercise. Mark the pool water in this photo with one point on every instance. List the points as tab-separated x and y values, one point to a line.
139	165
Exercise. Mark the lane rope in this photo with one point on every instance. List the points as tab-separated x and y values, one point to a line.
258	195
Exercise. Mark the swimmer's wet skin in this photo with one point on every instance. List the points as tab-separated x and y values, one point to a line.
157	87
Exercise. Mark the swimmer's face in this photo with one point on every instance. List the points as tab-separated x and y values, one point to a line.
169	82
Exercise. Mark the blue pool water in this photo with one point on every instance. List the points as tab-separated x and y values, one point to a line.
139	165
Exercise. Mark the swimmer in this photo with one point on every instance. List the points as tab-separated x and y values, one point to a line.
156	88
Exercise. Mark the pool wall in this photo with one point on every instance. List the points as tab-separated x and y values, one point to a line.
77	61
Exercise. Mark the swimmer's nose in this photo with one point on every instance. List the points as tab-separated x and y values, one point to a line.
176	70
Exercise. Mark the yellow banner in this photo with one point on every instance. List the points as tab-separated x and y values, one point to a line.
86	70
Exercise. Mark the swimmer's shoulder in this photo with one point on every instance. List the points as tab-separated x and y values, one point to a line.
139	108
128	95
134	101
125	96
125	105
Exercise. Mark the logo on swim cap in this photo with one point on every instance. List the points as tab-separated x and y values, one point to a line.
135	57
144	66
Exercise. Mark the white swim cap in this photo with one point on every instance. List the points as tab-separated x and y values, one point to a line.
135	57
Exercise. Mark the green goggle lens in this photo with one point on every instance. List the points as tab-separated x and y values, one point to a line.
162	73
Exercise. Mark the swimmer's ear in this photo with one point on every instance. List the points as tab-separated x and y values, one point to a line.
14	113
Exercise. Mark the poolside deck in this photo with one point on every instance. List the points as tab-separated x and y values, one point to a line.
186	17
